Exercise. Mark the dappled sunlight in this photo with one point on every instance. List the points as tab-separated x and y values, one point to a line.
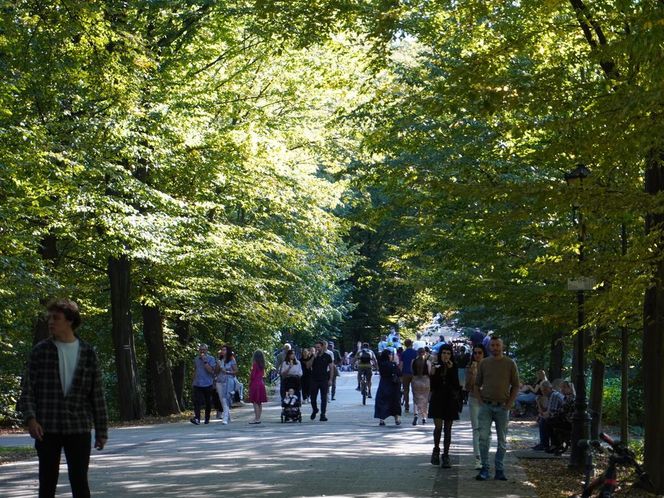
348	456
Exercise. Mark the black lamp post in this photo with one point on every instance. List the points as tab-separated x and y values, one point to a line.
581	418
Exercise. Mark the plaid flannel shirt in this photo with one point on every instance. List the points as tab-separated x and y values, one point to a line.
42	397
556	401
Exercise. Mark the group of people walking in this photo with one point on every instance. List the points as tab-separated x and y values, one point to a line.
55	389
491	382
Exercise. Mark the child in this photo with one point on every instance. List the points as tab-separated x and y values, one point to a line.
290	400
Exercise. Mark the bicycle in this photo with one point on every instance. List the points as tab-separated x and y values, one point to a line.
619	455
364	385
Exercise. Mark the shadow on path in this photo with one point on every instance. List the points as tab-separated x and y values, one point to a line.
348	456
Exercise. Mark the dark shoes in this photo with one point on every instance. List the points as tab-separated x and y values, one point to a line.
483	475
500	476
382	422
446	462
415	420
195	421
323	418
540	447
407	408
435	456
313	415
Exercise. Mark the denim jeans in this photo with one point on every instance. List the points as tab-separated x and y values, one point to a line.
524	399
474	411
500	415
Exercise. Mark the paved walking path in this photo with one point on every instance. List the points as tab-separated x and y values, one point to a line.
350	455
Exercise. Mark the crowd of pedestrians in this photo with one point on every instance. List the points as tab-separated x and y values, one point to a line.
435	381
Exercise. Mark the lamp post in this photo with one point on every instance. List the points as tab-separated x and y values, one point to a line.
581	418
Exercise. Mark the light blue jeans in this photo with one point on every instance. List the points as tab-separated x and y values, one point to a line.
500	415
474	411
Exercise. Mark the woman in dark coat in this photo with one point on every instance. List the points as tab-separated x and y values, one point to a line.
445	402
388	396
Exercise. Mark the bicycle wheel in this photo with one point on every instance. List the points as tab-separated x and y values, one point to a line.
364	394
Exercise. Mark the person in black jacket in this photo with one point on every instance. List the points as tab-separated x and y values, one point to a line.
62	397
445	402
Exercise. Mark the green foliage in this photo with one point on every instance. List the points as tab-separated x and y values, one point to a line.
184	139
612	400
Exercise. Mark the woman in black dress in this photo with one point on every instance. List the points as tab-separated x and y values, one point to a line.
445	403
388	396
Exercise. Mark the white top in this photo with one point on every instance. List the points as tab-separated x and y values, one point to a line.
294	371
419	344
67	361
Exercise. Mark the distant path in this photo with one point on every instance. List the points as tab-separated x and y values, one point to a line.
348	456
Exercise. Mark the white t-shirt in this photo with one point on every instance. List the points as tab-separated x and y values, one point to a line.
419	344
67	360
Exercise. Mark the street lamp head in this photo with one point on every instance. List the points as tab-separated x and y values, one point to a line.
577	175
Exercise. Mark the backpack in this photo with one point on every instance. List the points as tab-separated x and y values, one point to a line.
365	356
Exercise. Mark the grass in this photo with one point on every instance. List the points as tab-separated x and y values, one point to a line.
16	453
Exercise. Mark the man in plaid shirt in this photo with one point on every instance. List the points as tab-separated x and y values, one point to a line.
554	405
62	398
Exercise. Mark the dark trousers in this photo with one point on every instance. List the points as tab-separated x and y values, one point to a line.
545	431
334	381
316	386
77	453
202	397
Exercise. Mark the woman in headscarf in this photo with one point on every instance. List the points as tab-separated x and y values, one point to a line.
388	396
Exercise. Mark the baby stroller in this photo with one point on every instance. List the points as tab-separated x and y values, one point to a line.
290	409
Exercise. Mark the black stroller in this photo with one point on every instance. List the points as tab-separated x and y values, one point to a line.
290	408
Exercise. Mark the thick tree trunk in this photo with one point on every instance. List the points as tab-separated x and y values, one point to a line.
556	356
40	329
49	252
129	393
179	369
596	397
653	339
158	366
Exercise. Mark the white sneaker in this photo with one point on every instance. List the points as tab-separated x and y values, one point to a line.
478	463
224	422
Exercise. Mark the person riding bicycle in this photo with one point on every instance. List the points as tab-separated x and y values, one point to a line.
365	362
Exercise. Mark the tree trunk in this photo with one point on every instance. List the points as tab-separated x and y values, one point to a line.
178	370
624	387
40	328
624	360
129	393
653	339
556	356
596	397
49	251
158	366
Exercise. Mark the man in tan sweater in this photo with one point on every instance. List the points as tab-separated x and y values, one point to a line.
496	388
